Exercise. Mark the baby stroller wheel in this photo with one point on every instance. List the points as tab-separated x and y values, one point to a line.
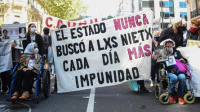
164	98
157	91
189	98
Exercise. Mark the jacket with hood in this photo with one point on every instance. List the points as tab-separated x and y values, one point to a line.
38	40
27	56
169	33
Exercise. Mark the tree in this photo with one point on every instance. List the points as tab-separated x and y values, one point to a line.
65	9
1	21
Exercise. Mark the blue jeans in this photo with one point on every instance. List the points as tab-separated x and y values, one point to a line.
173	80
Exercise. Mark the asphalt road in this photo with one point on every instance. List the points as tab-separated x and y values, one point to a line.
117	98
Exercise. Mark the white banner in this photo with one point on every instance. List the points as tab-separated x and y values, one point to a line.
103	54
192	55
13	31
5	56
54	22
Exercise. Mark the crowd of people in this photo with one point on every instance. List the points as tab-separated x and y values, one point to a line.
172	38
36	46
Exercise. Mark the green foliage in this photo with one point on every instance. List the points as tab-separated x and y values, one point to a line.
65	9
1	21
110	17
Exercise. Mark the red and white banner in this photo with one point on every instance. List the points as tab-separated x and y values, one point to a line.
54	22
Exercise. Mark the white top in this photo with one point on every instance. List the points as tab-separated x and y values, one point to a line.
32	38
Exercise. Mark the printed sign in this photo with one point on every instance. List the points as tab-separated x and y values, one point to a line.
192	43
31	63
13	31
161	52
156	25
107	53
171	61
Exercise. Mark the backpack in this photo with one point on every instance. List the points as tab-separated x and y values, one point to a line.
180	67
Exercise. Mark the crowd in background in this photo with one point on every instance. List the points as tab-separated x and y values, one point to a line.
176	36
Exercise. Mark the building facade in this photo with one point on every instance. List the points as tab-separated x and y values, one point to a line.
168	9
22	11
193	10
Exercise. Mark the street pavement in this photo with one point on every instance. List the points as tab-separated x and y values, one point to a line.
119	98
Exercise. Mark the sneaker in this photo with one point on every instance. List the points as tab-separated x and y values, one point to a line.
54	91
144	90
181	101
171	99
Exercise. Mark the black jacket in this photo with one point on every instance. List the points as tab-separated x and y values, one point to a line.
169	33
38	40
192	36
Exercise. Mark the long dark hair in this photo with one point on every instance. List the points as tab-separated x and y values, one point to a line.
29	27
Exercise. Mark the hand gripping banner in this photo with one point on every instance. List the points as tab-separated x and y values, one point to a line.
107	53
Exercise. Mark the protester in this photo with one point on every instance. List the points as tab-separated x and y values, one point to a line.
32	36
5	78
174	73
5	75
154	66
28	68
142	86
175	33
194	31
47	43
46	39
55	83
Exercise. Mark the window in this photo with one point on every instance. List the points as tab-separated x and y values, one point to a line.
1	9
166	4
147	3
182	4
165	25
17	16
167	14
183	14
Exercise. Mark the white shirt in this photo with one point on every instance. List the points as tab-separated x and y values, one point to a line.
32	38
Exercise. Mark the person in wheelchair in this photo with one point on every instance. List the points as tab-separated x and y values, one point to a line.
175	75
28	68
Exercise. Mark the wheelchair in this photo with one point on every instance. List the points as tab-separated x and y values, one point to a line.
162	88
42	83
